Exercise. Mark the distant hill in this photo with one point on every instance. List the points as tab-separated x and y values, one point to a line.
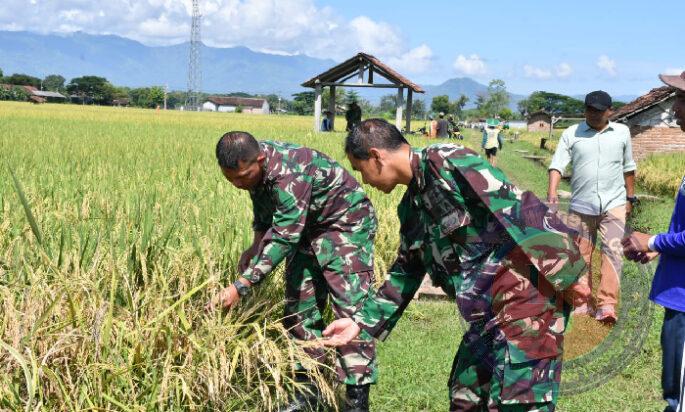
454	88
126	62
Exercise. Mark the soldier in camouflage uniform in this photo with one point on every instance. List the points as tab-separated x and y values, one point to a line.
493	248
311	212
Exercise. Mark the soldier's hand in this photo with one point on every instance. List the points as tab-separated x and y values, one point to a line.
642	257
341	332
578	294
636	242
226	298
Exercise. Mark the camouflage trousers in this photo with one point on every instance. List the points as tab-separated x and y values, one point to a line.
484	379
308	288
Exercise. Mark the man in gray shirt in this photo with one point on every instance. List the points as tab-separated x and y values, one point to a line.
443	127
602	187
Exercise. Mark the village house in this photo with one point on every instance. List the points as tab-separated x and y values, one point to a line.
651	123
539	122
37	96
231	104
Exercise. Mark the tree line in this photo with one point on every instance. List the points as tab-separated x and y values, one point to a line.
492	103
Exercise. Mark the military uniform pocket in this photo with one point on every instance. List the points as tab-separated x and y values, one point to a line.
529	380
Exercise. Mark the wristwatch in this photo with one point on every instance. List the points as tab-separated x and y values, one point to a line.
241	288
631	199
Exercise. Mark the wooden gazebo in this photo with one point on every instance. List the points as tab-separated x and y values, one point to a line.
358	66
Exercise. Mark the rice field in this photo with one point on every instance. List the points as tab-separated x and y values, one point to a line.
116	227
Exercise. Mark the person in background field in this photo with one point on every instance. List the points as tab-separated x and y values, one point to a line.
442	128
309	211
497	251
433	133
492	140
327	123
454	131
602	193
353	116
668	286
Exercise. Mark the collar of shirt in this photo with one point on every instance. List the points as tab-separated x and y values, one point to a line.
587	128
266	151
417	169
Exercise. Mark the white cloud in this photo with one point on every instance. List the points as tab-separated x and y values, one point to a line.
561	71
278	26
536	72
416	60
472	65
607	64
674	71
564	70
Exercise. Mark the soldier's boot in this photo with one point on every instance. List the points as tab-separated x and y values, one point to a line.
357	399
306	400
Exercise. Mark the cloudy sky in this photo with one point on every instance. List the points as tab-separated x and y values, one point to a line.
619	46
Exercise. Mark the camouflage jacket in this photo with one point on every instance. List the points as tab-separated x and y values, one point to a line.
495	249
307	200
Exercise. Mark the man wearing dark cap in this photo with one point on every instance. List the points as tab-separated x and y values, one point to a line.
668	286
602	188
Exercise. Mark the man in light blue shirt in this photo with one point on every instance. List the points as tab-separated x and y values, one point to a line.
602	181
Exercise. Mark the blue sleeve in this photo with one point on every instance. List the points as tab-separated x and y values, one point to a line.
485	139
670	244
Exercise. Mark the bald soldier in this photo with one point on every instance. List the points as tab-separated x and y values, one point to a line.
498	251
309	211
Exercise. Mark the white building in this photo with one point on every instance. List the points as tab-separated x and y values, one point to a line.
230	104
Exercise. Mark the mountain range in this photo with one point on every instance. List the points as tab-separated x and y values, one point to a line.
126	62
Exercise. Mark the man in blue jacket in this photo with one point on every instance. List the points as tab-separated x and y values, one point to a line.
668	286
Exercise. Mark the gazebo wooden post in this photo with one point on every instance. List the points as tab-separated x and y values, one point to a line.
409	108
331	106
398	108
317	108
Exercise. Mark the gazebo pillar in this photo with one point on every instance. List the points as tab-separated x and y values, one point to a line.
409	108
331	106
398	111
317	108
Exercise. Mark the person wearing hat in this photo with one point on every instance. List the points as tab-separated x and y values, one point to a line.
602	194
492	140
442	127
668	286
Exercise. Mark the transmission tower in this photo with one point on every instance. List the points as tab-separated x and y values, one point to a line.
194	68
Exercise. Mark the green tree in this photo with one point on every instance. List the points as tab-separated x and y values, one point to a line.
553	103
457	106
92	88
496	99
506	114
351	96
20	79
386	107
340	97
367	108
440	104
156	96
16	93
54	83
481	104
418	109
147	97
303	103
1	76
